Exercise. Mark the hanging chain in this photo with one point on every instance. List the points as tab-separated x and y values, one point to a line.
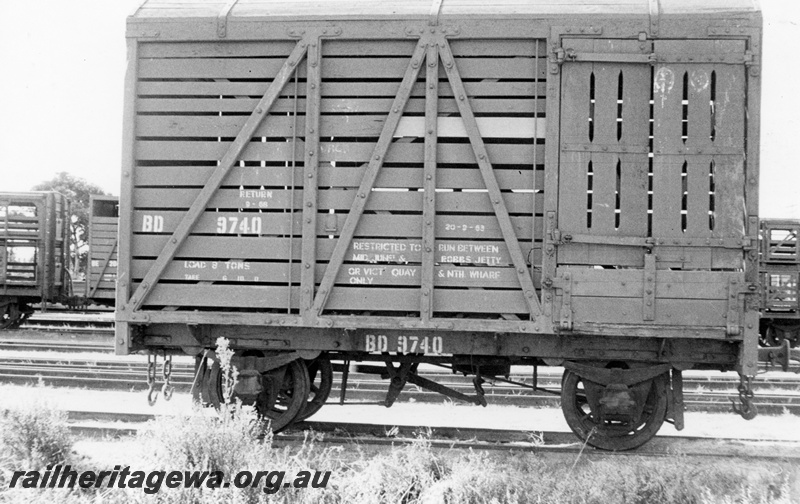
748	410
167	389
152	393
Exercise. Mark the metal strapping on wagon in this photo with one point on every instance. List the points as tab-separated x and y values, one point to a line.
222	19
311	184
436	7
655	14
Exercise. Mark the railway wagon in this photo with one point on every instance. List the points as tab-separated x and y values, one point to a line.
780	269
463	183
34	252
101	263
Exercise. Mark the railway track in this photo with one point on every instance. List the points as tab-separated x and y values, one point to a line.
385	435
702	392
69	320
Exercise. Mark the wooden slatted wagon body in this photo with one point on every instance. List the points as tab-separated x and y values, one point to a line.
476	184
34	253
101	263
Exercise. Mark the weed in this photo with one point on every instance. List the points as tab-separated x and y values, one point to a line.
35	435
229	373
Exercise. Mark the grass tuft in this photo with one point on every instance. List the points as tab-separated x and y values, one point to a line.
35	435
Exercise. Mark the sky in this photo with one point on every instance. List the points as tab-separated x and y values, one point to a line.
62	68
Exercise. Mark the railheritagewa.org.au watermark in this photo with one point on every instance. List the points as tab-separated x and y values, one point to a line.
151	482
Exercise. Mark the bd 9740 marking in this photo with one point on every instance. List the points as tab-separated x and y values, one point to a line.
380	343
236	225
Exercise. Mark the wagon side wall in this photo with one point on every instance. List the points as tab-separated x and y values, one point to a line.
412	173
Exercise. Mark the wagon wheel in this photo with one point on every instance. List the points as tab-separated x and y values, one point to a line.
11	316
320	374
283	395
210	383
794	338
613	435
773	336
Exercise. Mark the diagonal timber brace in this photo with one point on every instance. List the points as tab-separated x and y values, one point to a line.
103	270
215	180
436	48
482	157
370	175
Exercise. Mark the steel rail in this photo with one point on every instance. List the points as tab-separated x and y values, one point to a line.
699	394
103	424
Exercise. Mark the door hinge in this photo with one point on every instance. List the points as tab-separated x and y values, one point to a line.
564	284
649	288
732	317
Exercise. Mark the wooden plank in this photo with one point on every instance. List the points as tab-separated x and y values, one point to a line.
485	88
604	189
358	299
494	106
635	132
489	127
105	285
337	199
601	255
604	165
729	171
573	192
699	285
98	243
251	272
339	126
332	68
667	141
277	176
448	226
698	198
277	48
677	312
104	229
331	151
103	234
222	296
699	113
373	251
